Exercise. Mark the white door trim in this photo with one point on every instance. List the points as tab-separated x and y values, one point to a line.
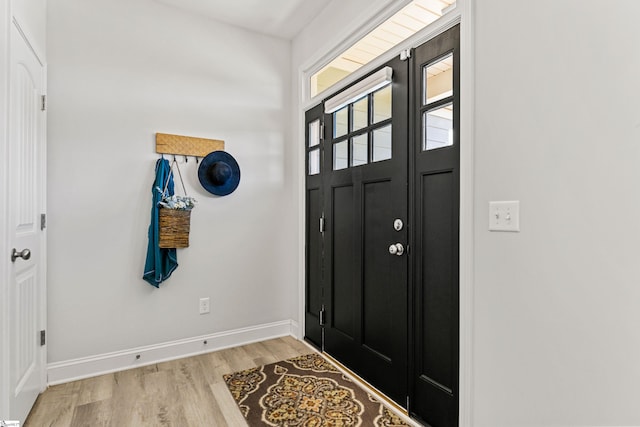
5	20
467	173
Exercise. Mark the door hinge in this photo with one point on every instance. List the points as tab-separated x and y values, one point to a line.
43	337
405	54
322	224
43	102
322	314
408	409
322	131
43	221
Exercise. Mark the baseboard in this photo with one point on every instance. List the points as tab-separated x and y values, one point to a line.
86	367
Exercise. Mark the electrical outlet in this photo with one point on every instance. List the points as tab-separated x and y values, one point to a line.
205	307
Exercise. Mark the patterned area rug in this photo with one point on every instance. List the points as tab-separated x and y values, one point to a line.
305	391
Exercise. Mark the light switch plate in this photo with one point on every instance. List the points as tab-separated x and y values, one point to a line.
504	216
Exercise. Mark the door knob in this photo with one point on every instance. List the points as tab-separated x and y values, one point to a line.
25	254
396	249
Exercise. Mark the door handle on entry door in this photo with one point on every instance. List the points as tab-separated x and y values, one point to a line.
396	249
25	254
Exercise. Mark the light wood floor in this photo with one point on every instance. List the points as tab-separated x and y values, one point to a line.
186	392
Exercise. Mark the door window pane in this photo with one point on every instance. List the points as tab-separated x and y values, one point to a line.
360	114
438	80
340	156
314	162
382	104
359	150
341	122
314	133
382	143
437	128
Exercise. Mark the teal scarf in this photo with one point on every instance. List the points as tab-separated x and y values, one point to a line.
160	263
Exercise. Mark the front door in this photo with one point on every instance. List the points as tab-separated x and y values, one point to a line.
382	212
26	239
365	205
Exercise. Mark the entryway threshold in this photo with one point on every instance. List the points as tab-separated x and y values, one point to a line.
399	410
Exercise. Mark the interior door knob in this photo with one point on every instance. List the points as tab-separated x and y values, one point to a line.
396	249
25	254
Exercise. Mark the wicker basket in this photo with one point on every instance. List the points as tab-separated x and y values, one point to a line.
174	228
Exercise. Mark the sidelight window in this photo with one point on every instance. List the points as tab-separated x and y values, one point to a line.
437	103
313	137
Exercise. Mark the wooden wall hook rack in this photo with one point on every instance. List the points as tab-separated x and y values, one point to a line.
186	145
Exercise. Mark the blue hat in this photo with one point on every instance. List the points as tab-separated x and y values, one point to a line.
219	173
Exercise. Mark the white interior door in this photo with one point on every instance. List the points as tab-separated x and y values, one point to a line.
25	204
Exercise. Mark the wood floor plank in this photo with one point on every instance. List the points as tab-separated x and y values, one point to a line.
228	406
96	389
55	407
94	414
185	392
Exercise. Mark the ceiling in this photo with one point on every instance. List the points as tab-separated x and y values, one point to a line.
279	18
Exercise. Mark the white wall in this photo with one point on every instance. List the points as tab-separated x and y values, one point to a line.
119	71
558	128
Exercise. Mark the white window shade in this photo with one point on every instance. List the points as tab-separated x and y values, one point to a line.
364	87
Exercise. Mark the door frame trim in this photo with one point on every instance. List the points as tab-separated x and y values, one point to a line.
466	221
464	13
4	245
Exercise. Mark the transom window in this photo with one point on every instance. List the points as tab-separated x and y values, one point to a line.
412	18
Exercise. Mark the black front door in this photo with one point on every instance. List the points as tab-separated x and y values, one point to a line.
365	193
382	208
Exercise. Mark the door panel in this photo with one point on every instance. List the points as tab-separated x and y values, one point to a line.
437	275
26	177
377	319
313	296
344	296
436	153
367	313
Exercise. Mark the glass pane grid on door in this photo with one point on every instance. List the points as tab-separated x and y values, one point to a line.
362	131
313	147
437	103
437	127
